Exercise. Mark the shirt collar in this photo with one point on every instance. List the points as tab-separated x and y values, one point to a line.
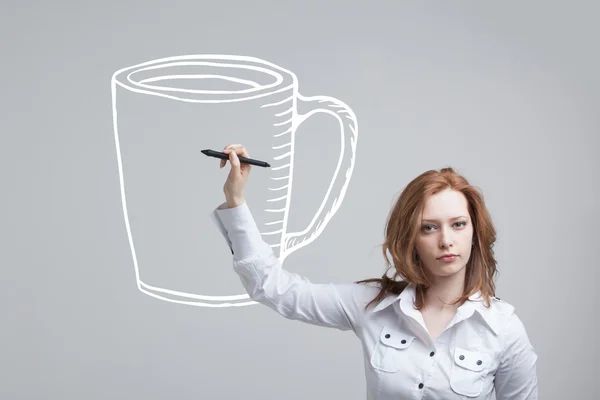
474	304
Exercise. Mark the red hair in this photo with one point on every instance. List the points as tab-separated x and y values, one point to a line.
401	232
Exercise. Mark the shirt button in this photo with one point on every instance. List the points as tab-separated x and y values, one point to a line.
478	362
420	386
462	357
387	335
403	341
431	354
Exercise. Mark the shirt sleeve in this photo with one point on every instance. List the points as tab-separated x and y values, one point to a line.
289	294
516	377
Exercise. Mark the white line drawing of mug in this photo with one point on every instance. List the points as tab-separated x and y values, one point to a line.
265	99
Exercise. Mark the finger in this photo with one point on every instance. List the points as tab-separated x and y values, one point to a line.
238	148
235	162
230	147
222	163
242	151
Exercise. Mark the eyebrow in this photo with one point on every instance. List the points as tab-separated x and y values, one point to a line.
435	220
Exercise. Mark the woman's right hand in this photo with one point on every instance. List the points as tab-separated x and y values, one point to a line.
238	175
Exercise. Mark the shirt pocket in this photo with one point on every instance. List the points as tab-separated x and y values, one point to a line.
469	369
390	350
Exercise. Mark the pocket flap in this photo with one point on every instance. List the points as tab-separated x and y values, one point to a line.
471	360
396	339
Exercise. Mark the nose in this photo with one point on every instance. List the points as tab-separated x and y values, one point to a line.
445	239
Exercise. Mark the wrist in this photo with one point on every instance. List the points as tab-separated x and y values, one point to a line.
234	202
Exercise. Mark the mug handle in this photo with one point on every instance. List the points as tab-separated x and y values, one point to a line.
337	189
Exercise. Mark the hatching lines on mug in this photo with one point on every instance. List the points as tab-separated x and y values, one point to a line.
281	161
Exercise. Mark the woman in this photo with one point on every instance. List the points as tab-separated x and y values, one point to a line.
440	333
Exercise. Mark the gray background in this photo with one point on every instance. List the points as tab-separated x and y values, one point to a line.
505	92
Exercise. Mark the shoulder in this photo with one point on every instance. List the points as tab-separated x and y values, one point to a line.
500	315
361	293
509	325
356	296
501	308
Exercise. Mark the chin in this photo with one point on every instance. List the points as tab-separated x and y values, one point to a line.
448	270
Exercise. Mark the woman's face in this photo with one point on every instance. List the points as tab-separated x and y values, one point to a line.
445	228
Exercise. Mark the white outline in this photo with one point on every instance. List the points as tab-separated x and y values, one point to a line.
125	79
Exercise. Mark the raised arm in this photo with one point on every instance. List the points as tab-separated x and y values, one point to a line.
291	295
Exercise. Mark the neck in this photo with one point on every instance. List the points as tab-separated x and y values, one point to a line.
444	291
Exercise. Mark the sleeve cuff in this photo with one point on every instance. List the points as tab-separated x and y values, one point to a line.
239	229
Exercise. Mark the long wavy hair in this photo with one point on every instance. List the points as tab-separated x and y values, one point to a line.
402	228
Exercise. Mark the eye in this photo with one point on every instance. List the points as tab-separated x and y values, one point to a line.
425	227
460	224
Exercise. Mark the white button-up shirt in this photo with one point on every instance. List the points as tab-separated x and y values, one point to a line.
481	350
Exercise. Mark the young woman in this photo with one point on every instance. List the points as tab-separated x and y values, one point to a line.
439	332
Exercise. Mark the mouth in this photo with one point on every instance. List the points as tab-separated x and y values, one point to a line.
448	257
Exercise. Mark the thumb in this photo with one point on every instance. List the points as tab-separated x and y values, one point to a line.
235	162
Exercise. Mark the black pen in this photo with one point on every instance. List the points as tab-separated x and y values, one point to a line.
224	156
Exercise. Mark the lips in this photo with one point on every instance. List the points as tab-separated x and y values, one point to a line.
447	256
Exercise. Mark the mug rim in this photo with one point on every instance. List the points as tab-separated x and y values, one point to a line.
283	79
